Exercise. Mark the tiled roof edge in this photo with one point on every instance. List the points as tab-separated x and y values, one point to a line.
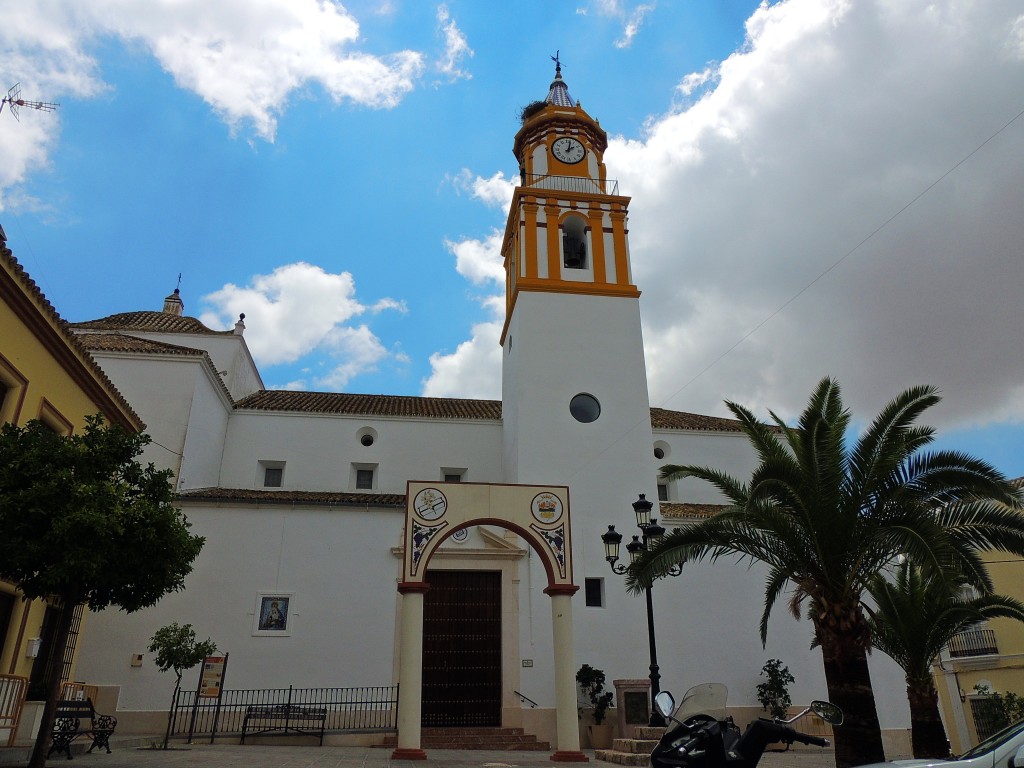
294	498
68	335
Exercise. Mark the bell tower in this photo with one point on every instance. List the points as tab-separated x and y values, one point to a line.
574	384
566	229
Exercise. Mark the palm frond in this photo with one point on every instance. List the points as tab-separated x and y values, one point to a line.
730	487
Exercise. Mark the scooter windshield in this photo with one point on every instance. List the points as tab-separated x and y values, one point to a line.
704	699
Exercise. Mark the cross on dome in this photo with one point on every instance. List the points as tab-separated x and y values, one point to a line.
558	93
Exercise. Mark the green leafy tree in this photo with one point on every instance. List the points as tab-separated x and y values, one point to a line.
177	649
773	693
1004	709
591	682
825	517
85	524
915	615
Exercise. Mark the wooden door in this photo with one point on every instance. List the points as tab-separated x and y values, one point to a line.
462	649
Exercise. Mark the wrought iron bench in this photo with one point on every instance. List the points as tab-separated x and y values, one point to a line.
67	726
282	719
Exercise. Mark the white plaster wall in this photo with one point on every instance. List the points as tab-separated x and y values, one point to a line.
336	561
239	372
721	450
564	345
204	440
319	450
160	389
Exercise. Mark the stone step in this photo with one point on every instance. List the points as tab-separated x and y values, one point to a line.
636	746
622	758
647	732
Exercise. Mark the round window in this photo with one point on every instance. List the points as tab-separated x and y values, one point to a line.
584	408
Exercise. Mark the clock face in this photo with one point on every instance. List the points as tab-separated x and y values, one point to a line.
568	150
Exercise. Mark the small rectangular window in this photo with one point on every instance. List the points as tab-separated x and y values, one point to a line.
594	589
364	479
270	474
662	492
453	474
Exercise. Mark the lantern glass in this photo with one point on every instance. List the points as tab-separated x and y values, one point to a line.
612	539
642	508
635	547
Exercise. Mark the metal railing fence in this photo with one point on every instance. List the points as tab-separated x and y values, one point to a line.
580	184
373	708
973	642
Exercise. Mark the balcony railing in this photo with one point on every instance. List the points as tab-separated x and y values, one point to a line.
571	184
973	642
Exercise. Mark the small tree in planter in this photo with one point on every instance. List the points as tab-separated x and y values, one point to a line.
591	682
176	649
773	693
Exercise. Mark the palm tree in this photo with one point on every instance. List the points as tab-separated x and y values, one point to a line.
914	617
825	518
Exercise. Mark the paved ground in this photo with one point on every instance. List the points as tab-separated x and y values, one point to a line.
250	756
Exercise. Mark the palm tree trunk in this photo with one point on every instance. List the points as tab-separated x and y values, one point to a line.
859	738
927	736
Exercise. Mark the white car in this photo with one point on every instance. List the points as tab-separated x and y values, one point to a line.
1004	749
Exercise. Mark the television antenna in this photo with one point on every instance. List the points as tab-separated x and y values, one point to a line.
13	98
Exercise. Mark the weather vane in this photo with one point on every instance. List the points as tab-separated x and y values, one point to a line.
13	98
558	64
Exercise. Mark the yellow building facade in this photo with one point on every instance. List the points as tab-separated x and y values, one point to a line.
990	654
46	374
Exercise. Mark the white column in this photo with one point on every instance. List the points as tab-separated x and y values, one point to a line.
567	729
410	674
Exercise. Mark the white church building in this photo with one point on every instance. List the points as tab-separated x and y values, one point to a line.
305	498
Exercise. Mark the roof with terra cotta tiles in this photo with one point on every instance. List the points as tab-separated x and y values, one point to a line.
440	408
294	498
119	342
371	405
149	322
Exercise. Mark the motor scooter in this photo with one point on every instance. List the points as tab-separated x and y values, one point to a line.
701	735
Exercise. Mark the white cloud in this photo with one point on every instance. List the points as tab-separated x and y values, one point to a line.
360	351
297	310
495	191
749	208
243	57
456	47
633	23
832	117
694	80
632	18
479	261
474	368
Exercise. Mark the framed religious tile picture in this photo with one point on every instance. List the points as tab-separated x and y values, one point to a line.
273	616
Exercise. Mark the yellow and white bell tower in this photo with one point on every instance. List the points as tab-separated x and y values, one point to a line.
566	229
574	383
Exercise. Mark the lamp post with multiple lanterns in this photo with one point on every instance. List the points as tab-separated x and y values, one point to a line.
650	532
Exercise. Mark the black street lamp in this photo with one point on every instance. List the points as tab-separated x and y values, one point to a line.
651	532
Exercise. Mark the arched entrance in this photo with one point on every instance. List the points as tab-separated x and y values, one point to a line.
540	515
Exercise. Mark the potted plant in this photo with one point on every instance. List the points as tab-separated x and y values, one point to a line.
591	682
774	692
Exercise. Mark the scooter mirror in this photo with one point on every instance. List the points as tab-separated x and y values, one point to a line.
665	704
828	712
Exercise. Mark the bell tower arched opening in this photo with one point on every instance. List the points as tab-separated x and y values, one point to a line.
574	242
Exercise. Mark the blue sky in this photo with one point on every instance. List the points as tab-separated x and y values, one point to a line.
818	188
